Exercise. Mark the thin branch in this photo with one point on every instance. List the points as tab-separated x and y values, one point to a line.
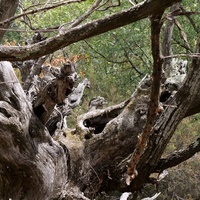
117	62
179	157
178	12
127	57
88	13
104	57
104	4
111	6
133	4
26	20
190	19
131	63
39	10
181	45
143	53
167	39
32	30
140	57
156	24
182	33
9	82
40	4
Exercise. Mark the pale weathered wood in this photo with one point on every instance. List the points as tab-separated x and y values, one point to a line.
58	118
33	165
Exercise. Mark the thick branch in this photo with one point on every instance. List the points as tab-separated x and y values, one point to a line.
93	28
60	112
162	131
52	89
94	121
34	71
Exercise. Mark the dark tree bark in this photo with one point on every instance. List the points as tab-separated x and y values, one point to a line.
57	119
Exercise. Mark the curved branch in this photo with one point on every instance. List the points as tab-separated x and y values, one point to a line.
178	157
88	30
196	28
126	54
94	121
38	10
104	57
88	13
109	6
167	39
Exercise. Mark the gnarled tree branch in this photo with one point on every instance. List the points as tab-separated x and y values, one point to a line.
6	11
140	11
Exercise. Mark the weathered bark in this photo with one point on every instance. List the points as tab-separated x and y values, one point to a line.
122	131
29	72
138	12
167	122
33	165
35	162
178	157
92	154
154	107
90	166
57	119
